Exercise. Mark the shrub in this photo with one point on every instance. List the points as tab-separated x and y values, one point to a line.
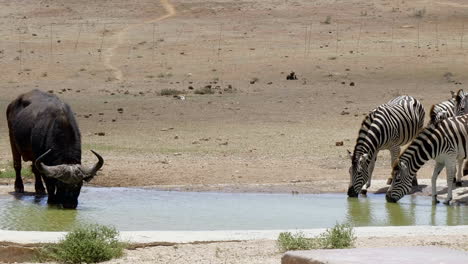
205	90
340	236
288	241
170	92
86	244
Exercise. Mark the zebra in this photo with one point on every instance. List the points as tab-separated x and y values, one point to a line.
456	106
446	143
388	126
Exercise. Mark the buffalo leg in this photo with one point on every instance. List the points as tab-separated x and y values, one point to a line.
50	185
19	187
38	185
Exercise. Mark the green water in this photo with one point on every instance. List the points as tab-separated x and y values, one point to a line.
142	209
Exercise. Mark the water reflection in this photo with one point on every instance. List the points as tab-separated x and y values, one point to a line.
359	212
413	210
399	215
137	209
30	212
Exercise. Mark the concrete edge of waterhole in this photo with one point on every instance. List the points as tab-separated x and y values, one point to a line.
32	237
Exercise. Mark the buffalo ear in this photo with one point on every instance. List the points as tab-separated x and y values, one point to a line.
350	155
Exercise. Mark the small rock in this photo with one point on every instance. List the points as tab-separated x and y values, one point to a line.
351	84
101	134
291	76
344	113
339	143
120	110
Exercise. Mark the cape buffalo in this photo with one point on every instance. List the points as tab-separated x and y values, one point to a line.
43	130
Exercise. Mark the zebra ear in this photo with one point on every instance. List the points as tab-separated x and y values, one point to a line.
453	94
350	155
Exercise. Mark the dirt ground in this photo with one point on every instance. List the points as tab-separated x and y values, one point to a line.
260	251
258	127
111	59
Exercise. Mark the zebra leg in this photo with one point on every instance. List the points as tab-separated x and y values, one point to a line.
437	169
371	170
458	181
451	170
394	154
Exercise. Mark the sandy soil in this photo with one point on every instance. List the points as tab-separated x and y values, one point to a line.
262	251
105	55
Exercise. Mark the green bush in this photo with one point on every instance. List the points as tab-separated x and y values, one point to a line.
86	244
288	241
340	236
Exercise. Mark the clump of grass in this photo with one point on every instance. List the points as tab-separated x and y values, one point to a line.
327	20
10	173
205	90
419	13
339	236
288	241
170	92
86	244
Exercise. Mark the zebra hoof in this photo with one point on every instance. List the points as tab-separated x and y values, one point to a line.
364	192
389	181
458	184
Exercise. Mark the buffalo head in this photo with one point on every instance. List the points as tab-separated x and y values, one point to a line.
69	178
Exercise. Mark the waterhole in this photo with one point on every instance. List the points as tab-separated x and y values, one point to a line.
130	209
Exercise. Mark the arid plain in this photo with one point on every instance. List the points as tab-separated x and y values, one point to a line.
110	60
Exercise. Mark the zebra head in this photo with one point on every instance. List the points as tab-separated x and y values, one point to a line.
401	182
359	173
461	103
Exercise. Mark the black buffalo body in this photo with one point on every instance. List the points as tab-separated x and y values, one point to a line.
43	130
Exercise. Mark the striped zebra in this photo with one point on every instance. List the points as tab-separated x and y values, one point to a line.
446	143
388	126
454	107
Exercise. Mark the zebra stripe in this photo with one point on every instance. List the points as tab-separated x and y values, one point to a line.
441	111
386	127
454	107
447	143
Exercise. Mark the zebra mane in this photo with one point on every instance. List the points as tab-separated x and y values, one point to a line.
365	125
433	115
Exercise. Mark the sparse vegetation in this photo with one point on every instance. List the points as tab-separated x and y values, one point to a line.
327	20
419	13
170	92
339	236
10	173
87	244
205	90
298	241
